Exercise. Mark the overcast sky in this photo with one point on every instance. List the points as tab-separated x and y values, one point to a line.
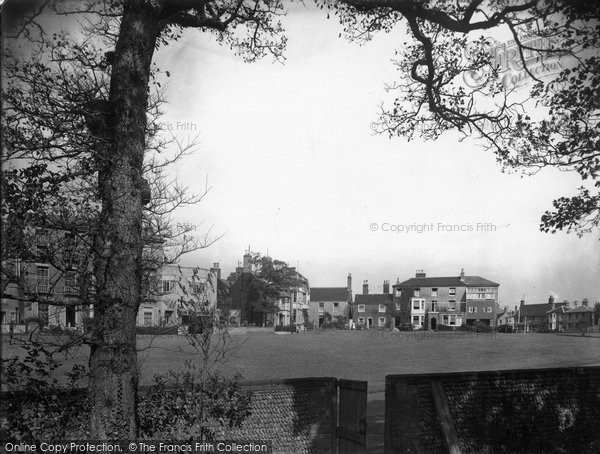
296	171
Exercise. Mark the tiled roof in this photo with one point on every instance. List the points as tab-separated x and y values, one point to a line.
580	309
319	294
450	281
375	298
534	310
538	310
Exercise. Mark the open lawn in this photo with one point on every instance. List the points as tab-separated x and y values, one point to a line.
366	355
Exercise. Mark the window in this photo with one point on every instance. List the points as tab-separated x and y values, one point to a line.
398	306
361	320
167	286
42	279
452	319
445	320
382	308
434	291
452	305
434	306
416	320
322	307
361	308
381	321
71	284
147	317
488	309
336	305
416	305
471	309
417	292
452	291
397	293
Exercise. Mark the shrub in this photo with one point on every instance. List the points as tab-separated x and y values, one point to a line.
38	407
185	405
286	328
441	327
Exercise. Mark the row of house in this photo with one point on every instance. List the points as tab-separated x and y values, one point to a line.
551	316
420	302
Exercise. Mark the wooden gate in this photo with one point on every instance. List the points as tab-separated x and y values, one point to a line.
352	416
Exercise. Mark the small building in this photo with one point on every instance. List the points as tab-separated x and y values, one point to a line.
374	311
331	304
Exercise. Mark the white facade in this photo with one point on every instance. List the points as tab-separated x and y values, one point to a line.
176	290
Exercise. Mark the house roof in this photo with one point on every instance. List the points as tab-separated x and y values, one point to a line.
534	310
537	310
449	281
328	294
375	298
581	309
562	309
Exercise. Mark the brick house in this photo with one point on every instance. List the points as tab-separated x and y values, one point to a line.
374	311
579	318
333	303
535	317
425	302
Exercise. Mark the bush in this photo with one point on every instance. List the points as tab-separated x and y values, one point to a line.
286	328
441	327
505	329
183	406
335	322
37	407
477	327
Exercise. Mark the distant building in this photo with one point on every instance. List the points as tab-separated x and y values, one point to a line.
291	306
572	317
333	303
177	291
374	311
426	302
534	317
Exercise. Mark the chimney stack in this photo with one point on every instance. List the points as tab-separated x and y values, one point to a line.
386	287
365	287
584	302
349	291
420	273
551	299
462	274
349	284
522	302
216	270
247	267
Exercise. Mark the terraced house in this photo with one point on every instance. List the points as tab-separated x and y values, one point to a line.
426	302
330	304
374	310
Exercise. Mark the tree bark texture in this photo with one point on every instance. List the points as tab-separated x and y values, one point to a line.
113	359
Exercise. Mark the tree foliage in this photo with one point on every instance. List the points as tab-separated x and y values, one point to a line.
271	283
451	76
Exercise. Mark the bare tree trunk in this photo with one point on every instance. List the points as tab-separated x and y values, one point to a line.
113	358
